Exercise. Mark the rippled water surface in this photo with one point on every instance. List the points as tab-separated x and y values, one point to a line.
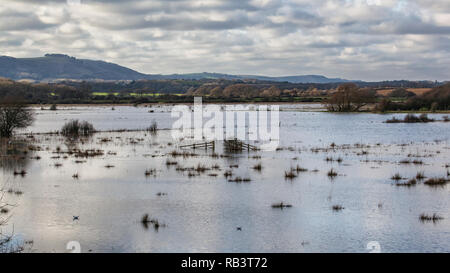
199	210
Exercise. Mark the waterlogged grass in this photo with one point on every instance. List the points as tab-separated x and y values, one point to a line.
142	177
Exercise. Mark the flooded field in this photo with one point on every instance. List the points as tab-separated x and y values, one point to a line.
336	183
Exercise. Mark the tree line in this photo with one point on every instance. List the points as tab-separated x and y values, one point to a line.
352	98
73	92
438	99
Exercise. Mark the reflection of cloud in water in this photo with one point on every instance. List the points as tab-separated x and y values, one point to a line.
202	213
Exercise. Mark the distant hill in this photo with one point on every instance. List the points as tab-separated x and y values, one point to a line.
57	66
53	67
291	79
300	79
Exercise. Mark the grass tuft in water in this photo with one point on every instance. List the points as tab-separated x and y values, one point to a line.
281	205
290	175
146	221
332	173
436	182
430	218
420	176
410	183
397	177
257	167
337	208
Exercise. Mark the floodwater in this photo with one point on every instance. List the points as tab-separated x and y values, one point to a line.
99	200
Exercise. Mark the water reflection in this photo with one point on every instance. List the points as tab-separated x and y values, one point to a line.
203	212
15	155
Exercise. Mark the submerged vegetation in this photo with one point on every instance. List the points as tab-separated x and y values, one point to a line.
281	205
420	176
436	182
153	127
150	172
146	221
409	183
332	173
397	177
258	167
75	128
173	168
337	208
411	118
430	218
290	174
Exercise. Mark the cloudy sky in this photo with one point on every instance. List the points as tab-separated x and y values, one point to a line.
353	39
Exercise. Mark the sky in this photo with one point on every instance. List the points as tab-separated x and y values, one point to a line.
368	40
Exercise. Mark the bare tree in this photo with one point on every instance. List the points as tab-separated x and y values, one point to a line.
14	114
241	91
273	91
349	98
216	92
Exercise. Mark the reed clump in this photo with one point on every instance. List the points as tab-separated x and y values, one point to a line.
75	128
409	183
430	218
397	177
238	179
146	221
420	176
21	173
257	167
337	208
150	172
153	128
436	182
281	205
299	169
411	118
171	163
332	173
228	174
290	174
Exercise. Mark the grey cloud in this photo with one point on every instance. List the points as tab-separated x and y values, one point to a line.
337	38
19	21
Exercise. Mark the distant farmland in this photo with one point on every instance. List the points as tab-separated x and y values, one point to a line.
417	91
